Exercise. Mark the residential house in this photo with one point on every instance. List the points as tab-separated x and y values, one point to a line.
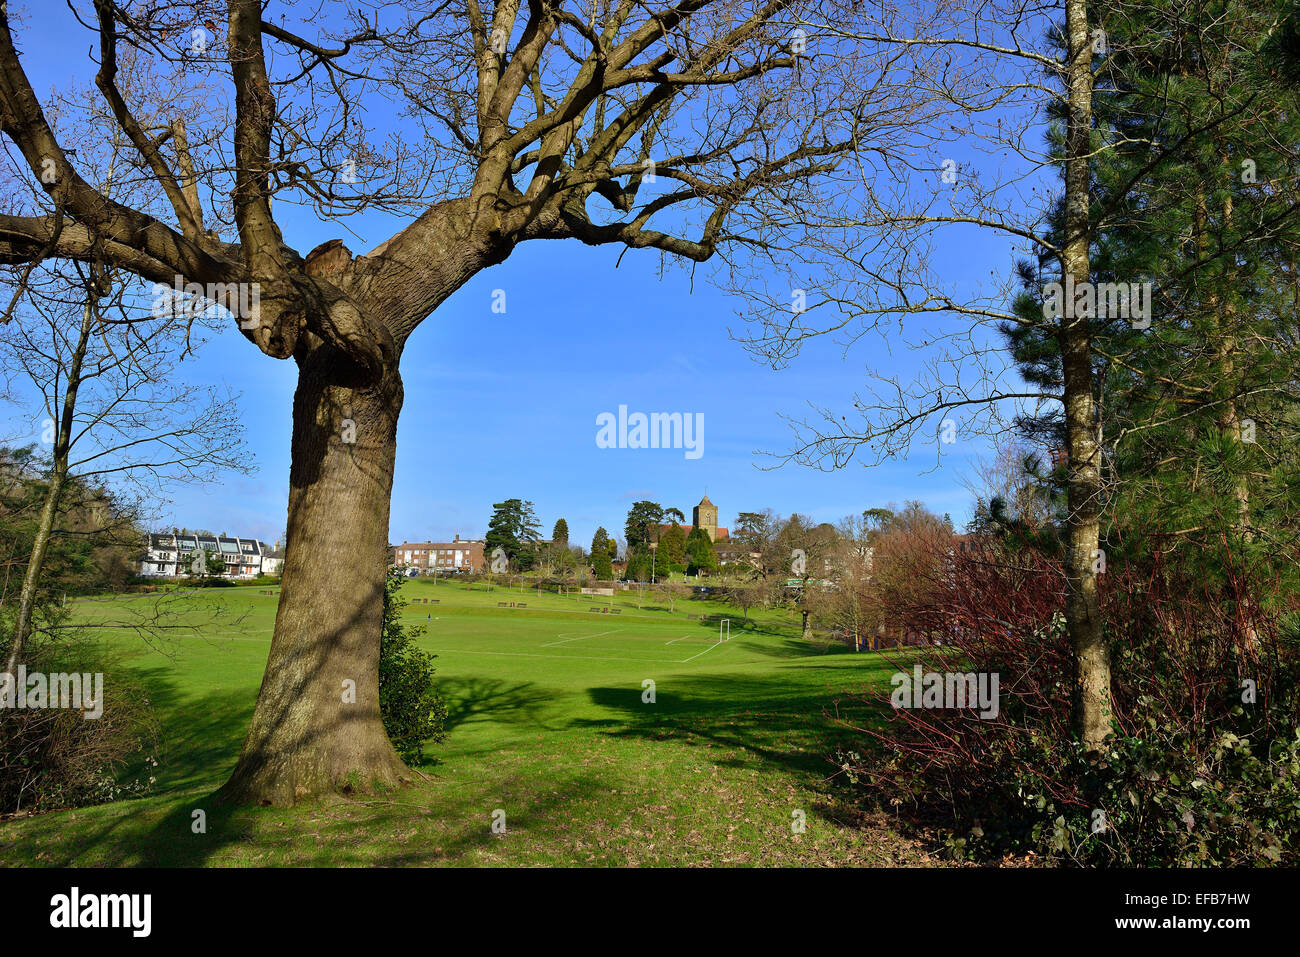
431	558
174	556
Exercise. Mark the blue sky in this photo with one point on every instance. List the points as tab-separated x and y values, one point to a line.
500	406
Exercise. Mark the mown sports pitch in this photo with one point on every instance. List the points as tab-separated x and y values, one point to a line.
553	720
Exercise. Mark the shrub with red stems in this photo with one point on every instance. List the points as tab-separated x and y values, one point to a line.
1203	767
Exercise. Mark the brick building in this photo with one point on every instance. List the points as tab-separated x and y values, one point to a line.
427	558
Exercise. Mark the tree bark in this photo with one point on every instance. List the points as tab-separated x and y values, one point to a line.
1092	686
1229	418
309	735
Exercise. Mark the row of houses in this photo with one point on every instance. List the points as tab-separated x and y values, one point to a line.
174	556
177	556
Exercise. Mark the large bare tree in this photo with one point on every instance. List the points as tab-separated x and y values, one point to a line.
695	128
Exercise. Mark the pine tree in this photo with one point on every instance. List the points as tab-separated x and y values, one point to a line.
601	566
672	549
642	523
699	553
514	529
1192	193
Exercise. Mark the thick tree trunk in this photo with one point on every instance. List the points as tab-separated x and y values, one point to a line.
1092	691
317	726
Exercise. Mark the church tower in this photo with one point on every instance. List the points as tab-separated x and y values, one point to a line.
705	516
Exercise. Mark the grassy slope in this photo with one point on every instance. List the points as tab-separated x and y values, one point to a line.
546	723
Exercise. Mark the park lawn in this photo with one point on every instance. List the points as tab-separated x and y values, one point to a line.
547	727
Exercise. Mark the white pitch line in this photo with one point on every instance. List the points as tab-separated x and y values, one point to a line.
551	644
235	635
704	652
527	654
682	638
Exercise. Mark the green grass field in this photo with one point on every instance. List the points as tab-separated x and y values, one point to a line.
547	723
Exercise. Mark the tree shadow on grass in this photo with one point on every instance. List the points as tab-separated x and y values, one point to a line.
207	733
470	699
454	833
199	737
768	721
131	833
781	646
406	827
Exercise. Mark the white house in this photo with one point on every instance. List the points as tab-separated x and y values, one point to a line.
273	561
174	556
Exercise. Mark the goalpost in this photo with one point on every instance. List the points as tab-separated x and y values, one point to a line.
724	626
